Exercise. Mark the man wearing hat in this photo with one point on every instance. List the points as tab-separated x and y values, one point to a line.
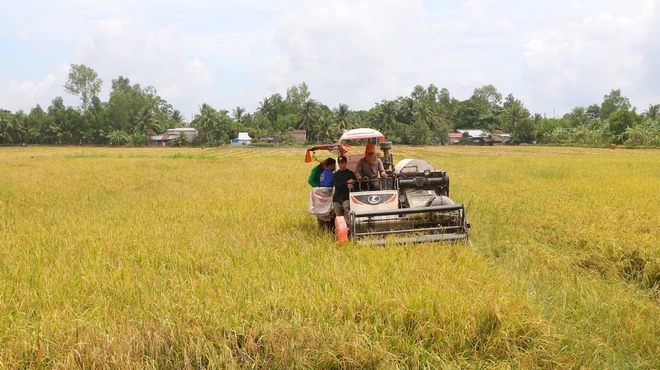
370	166
343	180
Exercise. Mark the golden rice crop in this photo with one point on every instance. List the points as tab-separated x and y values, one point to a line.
205	258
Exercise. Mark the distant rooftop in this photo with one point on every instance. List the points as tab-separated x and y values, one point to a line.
182	129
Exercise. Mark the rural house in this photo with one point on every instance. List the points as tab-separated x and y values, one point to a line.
166	139
242	139
299	136
475	137
455	138
481	137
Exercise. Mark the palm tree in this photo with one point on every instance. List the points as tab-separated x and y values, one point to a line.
514	114
653	112
429	112
177	118
20	127
406	110
327	130
342	118
267	108
6	127
423	111
239	114
146	123
386	116
309	115
206	122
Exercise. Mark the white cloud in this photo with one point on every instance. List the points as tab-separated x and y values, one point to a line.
24	95
549	54
349	51
650	94
29	91
505	26
579	61
477	10
150	56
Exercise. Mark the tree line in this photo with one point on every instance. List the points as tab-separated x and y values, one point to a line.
425	117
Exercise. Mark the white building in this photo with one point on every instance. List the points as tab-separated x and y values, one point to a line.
242	139
474	133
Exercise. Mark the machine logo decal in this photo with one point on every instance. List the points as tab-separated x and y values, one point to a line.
374	199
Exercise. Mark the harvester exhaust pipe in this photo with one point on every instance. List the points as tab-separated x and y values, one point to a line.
388	162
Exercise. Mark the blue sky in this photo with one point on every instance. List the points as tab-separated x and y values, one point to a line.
553	55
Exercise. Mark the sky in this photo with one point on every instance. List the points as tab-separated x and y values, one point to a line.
552	55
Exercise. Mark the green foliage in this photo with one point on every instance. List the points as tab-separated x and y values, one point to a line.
327	131
6	127
645	133
620	121
181	140
296	96
147	122
117	138
83	81
309	117
613	102
214	127
343	118
138	139
515	119
578	117
424	117
284	123
653	112
465	139
420	134
385	118
481	111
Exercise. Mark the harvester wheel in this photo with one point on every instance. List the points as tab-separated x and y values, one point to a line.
341	229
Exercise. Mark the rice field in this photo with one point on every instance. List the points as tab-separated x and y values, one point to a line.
205	258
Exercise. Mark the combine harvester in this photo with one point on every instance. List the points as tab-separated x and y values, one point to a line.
410	205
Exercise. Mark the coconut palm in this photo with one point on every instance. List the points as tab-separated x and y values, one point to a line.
327	130
342	118
177	118
146	123
653	112
238	114
386	116
267	108
6	127
206	122
309	116
20	127
406	110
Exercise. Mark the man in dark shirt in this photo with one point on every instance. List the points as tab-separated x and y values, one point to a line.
343	180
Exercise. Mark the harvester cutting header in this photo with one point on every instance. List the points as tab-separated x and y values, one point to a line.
405	203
